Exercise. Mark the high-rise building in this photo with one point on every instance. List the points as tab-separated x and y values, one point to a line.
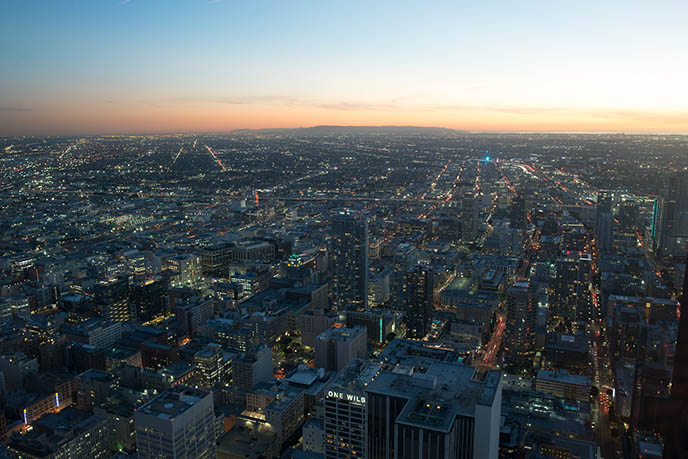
378	288
350	260
336	347
193	312
420	305
96	332
253	367
216	259
605	232
210	365
628	216
346	415
449	228
111	290
470	211
177	423
679	381
518	213
605	204
571	287
93	388
405	256
673	227
148	298
446	411
185	268
521	324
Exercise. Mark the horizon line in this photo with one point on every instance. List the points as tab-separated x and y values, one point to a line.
258	130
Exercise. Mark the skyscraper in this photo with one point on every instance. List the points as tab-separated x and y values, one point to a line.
605	203
521	318
405	256
177	423
673	227
345	417
419	285
605	232
470	209
572	295
447	411
518	213
350	260
679	380
336	347
677	434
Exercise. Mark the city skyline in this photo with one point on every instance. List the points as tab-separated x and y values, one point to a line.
140	66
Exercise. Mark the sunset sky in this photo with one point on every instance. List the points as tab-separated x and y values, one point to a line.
144	66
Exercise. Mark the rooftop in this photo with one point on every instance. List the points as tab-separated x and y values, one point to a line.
174	402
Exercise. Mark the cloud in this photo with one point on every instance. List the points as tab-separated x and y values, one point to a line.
124	2
14	109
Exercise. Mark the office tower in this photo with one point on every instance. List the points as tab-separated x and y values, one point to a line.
210	365
253	367
571	287
521	324
470	211
673	413
449	228
550	226
215	260
518	213
17	369
656	223
378	288
312	323
404	257
349	260
628	216
111	290
175	424
605	232
605	204
185	269
93	387
193	312
673	234
447	411
81	357
679	381
96	332
345	417
135	263
420	294
336	347
118	311
148	299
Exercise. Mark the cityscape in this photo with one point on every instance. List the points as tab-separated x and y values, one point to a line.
344	283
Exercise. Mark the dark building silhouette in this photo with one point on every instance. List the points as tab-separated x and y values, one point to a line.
419	282
518	213
350	260
521	317
655	409
672	234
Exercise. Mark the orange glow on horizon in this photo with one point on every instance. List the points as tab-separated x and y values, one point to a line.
213	117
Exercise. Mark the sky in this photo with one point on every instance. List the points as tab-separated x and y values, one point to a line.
162	66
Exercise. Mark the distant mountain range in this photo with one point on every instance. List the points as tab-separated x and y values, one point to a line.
318	131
